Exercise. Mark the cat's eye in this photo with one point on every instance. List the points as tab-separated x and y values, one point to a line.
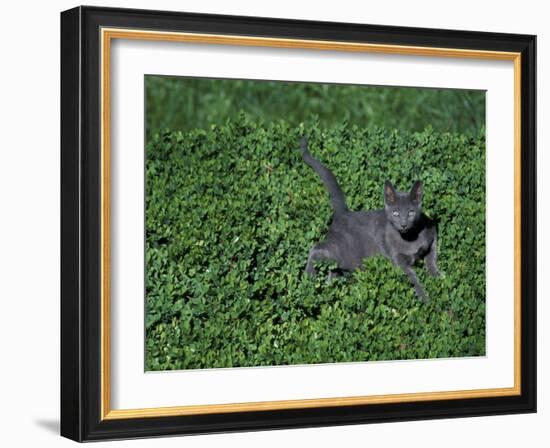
411	212
396	213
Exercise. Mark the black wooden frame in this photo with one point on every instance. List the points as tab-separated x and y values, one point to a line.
80	223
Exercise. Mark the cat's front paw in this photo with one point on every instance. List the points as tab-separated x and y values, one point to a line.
421	294
434	272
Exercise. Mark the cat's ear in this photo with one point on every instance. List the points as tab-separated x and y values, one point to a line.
389	193
416	192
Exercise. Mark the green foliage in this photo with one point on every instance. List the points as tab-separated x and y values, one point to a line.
189	103
232	211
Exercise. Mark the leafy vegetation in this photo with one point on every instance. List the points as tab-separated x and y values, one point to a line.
190	103
231	212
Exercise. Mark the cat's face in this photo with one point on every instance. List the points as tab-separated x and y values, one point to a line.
403	208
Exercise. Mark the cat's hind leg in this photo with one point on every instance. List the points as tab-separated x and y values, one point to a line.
334	274
316	253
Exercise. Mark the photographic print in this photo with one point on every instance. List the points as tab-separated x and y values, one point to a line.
343	212
292	223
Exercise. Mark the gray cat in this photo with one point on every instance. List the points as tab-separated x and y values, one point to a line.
400	232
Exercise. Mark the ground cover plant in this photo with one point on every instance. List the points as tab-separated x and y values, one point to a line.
231	212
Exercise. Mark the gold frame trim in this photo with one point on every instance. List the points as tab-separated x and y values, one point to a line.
107	35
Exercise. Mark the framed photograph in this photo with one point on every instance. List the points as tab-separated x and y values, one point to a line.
273	223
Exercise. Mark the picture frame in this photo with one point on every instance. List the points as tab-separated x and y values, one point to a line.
87	35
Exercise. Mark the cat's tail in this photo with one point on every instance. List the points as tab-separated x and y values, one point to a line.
337	198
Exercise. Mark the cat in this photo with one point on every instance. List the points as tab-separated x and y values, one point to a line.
399	231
